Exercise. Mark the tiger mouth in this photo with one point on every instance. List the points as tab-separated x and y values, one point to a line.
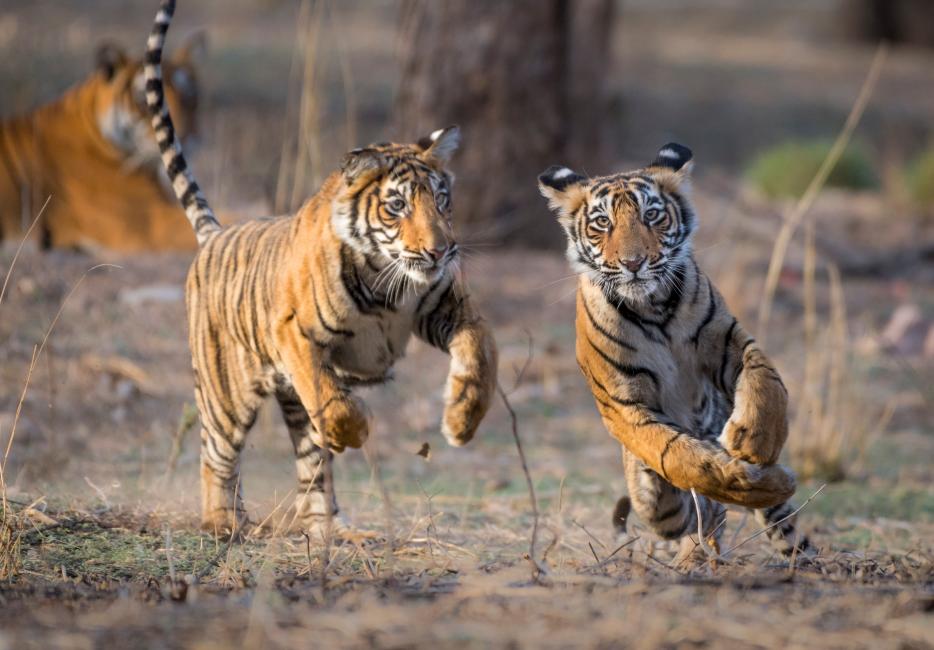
424	272
633	287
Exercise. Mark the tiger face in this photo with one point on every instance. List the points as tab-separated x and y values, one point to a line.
122	116
628	232
395	206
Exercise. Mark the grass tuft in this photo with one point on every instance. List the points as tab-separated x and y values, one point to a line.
10	543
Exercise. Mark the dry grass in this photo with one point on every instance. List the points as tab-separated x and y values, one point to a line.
434	588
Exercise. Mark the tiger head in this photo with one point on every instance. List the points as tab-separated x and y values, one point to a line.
628	232
122	115
394	205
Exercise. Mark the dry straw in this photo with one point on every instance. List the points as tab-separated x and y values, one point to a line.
794	218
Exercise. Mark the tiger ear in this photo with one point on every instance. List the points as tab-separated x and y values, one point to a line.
441	144
193	50
360	166
564	189
109	58
672	167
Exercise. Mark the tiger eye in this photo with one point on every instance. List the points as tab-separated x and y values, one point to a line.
602	222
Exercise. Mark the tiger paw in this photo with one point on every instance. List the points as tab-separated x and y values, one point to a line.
758	426
752	486
345	424
753	442
321	529
465	404
228	523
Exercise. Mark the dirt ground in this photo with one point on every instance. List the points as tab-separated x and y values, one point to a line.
101	524
108	392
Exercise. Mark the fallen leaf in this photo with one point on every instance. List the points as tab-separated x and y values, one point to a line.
425	451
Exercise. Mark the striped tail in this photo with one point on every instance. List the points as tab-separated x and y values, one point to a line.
183	182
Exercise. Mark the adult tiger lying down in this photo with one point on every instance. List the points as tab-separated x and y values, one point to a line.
93	152
307	306
677	380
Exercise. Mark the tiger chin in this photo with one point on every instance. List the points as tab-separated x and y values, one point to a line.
692	399
308	306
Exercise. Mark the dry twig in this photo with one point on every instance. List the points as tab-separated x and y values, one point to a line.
773	525
538	568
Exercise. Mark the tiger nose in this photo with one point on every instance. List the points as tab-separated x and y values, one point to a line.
633	264
436	253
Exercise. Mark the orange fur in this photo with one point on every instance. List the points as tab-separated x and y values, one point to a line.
289	306
693	400
92	151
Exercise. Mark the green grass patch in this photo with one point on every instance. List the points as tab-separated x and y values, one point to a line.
858	499
920	178
786	170
90	549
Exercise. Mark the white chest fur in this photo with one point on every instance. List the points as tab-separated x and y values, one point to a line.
378	341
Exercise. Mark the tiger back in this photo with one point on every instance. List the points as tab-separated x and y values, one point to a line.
92	154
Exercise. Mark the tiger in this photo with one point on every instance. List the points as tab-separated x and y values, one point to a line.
305	307
93	156
693	400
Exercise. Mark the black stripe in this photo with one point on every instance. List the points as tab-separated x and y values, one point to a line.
711	308
154	56
618	341
629	371
628	314
726	351
176	166
658	517
331	329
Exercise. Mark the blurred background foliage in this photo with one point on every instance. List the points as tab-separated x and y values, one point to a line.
753	87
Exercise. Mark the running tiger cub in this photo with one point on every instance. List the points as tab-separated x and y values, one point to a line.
677	380
93	152
307	306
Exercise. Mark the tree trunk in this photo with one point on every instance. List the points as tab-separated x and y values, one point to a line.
896	21
525	80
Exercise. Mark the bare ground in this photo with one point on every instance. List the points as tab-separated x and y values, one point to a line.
108	392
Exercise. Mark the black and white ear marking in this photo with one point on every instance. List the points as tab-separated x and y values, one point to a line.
359	161
559	178
673	155
441	144
108	59
564	189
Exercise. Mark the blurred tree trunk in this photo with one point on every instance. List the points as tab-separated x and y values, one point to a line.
525	80
895	21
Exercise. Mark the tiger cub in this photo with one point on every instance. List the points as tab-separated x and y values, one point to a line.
677	380
308	306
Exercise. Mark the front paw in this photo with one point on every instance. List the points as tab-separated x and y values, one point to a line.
345	424
754	442
466	402
754	486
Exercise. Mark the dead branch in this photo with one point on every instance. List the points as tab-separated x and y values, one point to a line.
773	525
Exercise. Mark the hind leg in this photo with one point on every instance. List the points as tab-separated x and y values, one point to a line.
670	513
782	532
228	395
222	509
